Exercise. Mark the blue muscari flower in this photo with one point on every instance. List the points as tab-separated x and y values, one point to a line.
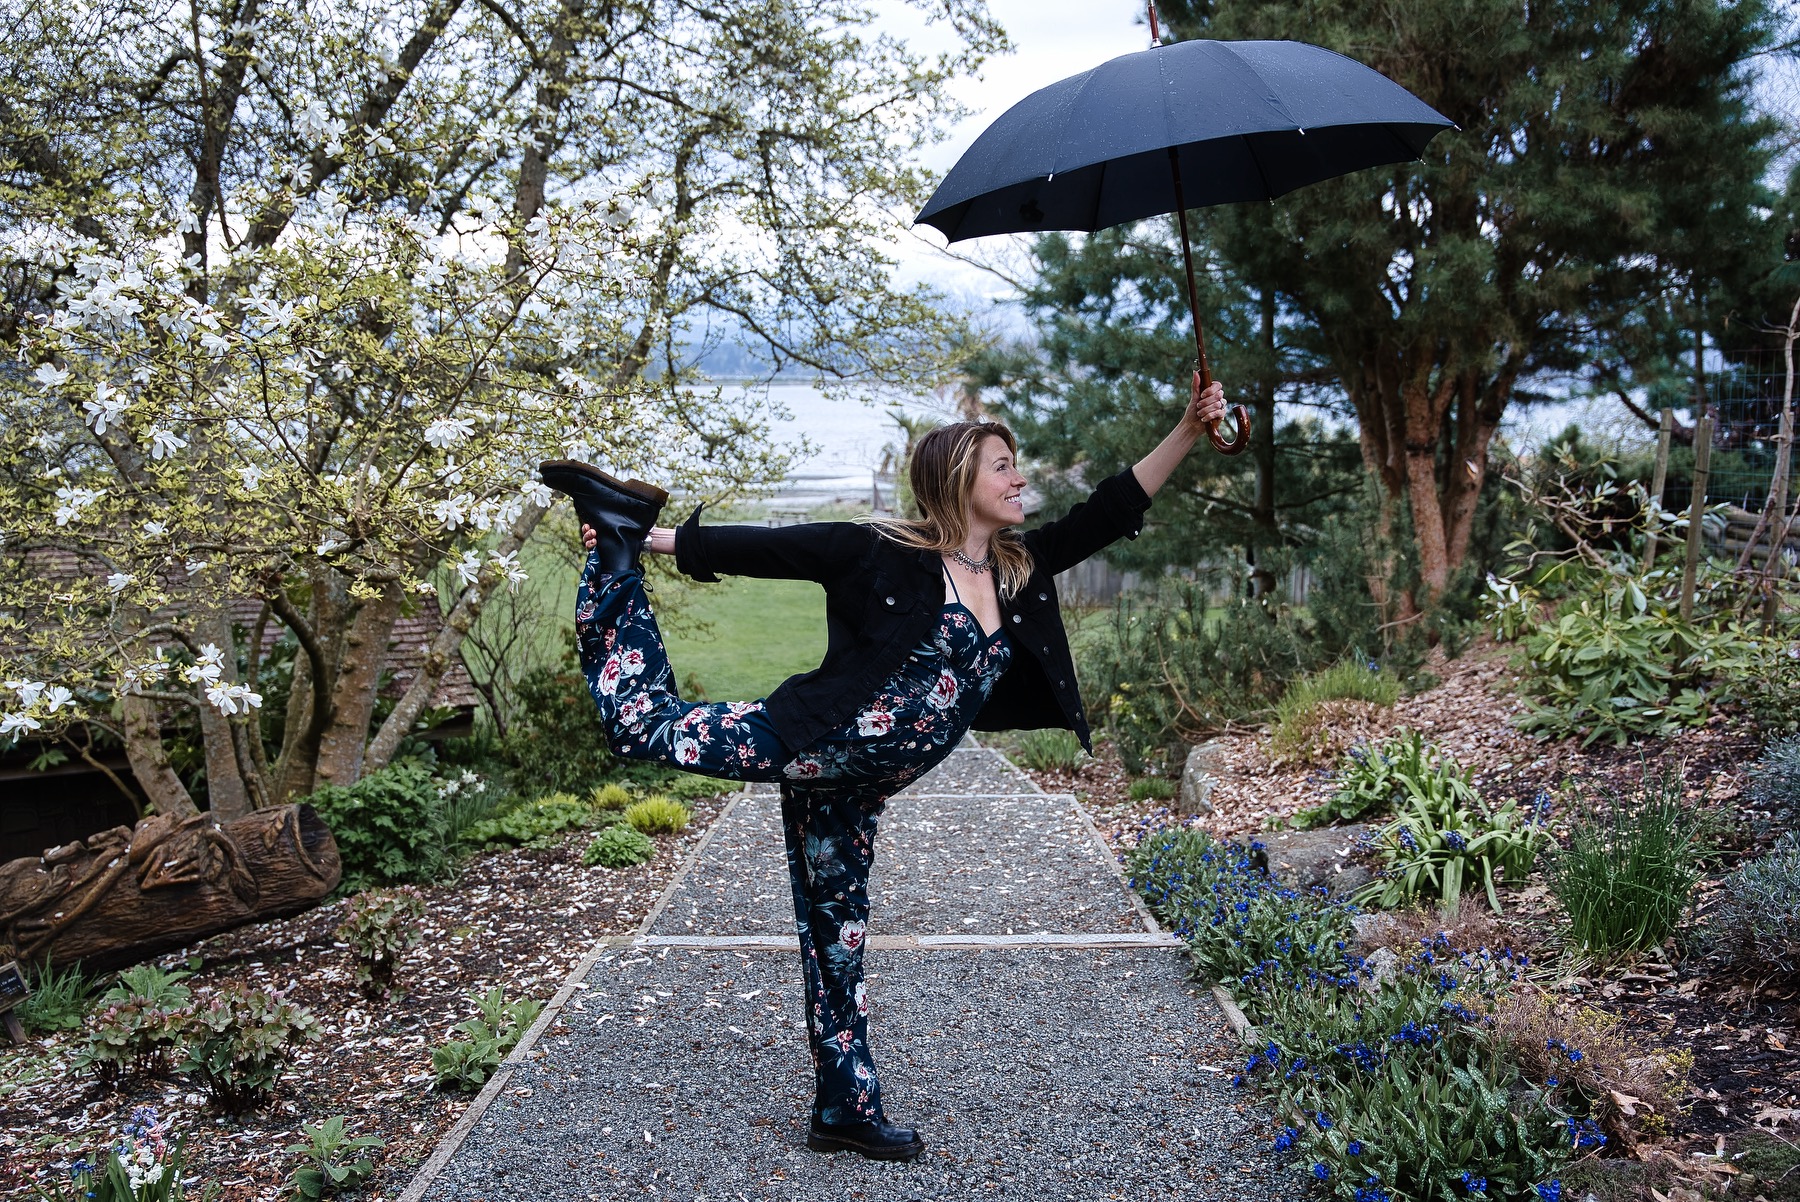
1455	840
1551	1191
1321	1172
1355	1148
1407	841
80	1167
1574	1055
1552	1083
1286	1139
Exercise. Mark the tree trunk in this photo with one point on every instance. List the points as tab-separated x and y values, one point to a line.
149	759
340	760
124	895
226	795
1266	532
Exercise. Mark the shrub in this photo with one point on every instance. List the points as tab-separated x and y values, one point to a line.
1049	750
556	740
534	822
382	924
1444	837
465	1064
610	796
332	1163
618	847
1313	710
388	826
657	815
1755	917
59	1001
1775	778
139	1025
465	799
1627	875
239	1041
1151	788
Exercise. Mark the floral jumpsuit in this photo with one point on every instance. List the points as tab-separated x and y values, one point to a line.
832	792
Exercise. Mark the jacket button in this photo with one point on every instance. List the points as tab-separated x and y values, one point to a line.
1043	596
1046	648
1062	684
890	600
1017	618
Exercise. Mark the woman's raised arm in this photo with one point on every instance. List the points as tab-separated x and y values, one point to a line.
1204	407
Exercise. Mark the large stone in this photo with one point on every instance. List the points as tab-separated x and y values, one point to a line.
1330	857
1199	775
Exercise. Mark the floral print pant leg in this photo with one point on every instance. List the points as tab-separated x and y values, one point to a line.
629	678
830	848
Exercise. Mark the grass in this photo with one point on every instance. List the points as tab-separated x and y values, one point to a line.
742	637
1298	728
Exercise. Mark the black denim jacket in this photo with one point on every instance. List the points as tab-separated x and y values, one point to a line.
881	600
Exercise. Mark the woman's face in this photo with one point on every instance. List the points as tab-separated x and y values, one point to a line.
994	501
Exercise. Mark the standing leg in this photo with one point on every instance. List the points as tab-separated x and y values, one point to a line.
633	687
830	848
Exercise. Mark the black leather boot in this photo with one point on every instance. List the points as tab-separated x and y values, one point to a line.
877	1141
620	511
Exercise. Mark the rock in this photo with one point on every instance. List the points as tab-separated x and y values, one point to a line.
1308	859
1373	927
1199	775
1383	964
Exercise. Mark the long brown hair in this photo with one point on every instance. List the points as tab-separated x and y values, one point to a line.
945	465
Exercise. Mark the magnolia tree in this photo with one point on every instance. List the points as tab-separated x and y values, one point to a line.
302	293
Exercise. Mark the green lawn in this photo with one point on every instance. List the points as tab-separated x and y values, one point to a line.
742	637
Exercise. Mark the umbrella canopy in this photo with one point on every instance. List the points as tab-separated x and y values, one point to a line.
1247	120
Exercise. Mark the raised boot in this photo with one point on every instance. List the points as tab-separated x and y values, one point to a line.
620	511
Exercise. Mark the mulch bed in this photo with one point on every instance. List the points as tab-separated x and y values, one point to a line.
1744	1086
519	919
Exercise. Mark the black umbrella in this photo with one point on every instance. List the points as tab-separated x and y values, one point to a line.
1237	120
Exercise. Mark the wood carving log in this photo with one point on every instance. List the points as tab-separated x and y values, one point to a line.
127	894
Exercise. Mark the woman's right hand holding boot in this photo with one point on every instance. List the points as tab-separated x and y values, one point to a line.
660	542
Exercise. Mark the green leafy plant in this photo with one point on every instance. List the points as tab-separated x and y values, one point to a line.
1049	750
141	1166
618	847
1755	916
238	1042
1312	708
610	796
388	825
1444	837
1380	778
1627	873
1151	788
333	1162
465	1064
533	822
657	815
59	1000
138	1026
381	925
464	799
553	740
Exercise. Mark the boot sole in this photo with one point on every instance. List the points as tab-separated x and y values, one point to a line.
832	1143
631	488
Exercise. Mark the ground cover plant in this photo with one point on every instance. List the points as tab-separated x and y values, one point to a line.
1314	709
1755	917
466	1063
1395	1083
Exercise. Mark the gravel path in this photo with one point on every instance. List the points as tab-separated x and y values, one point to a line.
1057	1071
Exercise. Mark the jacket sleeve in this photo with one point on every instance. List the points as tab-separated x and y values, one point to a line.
818	551
1114	510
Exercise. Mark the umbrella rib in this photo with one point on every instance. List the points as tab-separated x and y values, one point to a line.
1256	159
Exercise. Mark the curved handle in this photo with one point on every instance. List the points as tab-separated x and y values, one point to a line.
1237	445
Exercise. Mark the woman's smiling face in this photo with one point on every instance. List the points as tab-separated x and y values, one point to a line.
994	500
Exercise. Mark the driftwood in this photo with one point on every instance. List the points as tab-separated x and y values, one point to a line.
126	894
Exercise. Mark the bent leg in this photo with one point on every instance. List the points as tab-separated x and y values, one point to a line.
633	687
830	848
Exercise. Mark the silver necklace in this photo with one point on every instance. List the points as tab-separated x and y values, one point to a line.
977	566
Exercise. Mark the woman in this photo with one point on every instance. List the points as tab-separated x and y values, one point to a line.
935	626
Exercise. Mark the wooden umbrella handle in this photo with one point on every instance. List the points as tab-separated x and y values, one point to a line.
1240	442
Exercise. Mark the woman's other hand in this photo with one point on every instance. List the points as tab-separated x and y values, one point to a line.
660	542
1206	405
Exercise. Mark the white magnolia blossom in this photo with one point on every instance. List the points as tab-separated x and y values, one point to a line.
207	669
27	691
105	409
508	566
230	698
448	431
251	476
215	345
51	376
327	546
58	697
452	512
469	568
538	493
165	443
118	582
156	529
16	723
74	500
146	673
